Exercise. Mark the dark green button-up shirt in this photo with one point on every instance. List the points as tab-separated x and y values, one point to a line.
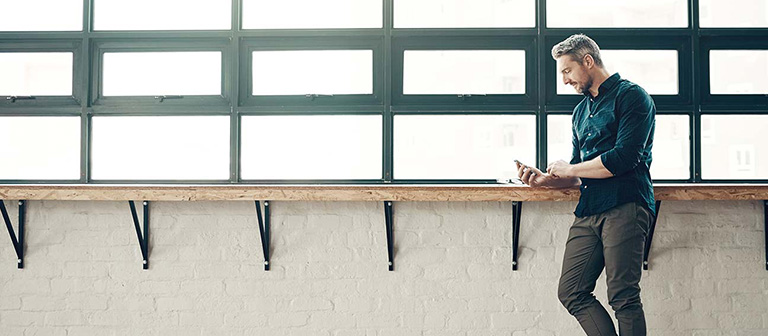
618	126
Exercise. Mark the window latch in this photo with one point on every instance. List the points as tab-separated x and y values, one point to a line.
465	96
312	96
163	98
13	99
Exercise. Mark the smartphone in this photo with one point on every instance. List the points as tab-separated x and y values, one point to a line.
520	163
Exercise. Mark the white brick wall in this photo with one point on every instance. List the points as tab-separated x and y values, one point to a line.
329	275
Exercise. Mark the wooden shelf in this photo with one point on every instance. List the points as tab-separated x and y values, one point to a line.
371	192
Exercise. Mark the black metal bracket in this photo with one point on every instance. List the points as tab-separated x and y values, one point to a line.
765	230
18	242
143	239
517	209
649	240
264	231
390	237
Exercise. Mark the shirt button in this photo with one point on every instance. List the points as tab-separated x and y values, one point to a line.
585	187
589	134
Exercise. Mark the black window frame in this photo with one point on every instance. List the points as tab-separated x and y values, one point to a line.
729	101
692	43
524	43
102	46
678	43
48	46
249	45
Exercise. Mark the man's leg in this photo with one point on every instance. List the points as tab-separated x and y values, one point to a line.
582	264
624	232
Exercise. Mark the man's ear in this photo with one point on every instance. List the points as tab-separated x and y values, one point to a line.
589	62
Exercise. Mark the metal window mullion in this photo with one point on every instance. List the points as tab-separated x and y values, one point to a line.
85	92
387	115
234	93
696	80
542	141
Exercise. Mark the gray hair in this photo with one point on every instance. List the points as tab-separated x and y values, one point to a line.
578	46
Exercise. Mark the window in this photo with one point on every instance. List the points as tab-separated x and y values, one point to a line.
559	133
464	13
738	71
366	91
733	13
36	74
462	146
40	148
307	72
162	73
162	14
312	71
464	72
41	15
656	71
328	147
670	153
160	148
617	14
304	14
736	149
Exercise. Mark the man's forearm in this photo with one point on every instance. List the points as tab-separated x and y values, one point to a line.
590	169
563	182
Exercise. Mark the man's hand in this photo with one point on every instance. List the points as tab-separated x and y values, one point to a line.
560	169
532	176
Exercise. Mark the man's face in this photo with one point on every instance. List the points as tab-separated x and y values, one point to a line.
574	73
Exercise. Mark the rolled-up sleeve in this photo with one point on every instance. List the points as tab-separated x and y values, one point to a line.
636	118
575	155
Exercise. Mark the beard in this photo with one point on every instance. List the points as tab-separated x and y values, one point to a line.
584	89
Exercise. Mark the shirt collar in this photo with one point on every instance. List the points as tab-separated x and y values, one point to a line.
607	85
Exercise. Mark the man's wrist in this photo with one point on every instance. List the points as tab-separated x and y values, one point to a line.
570	171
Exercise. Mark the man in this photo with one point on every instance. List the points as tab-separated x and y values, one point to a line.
613	130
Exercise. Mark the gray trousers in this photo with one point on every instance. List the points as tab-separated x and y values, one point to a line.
613	240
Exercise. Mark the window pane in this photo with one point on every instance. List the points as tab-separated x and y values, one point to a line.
311	147
40	148
154	148
41	15
617	13
162	15
654	70
733	147
462	146
162	73
464	13
312	72
671	148
286	14
559	133
671	145
733	13
738	71
464	72
36	74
